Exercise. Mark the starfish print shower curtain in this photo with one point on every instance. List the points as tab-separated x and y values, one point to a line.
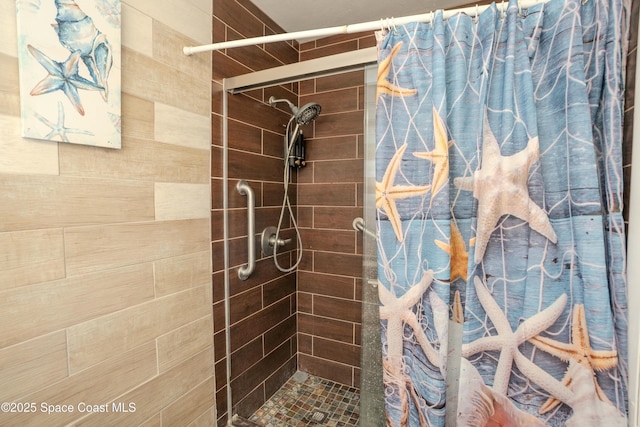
498	195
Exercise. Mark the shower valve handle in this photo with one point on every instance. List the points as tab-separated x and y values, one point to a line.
281	242
269	240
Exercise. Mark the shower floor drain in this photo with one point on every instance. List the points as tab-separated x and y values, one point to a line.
317	416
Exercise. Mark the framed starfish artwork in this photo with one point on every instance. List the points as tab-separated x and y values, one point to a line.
69	61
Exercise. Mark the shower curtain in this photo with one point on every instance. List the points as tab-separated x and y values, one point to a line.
499	198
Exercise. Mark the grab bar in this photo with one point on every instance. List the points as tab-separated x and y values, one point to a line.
358	225
245	270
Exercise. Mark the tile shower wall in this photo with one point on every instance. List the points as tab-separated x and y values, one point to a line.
329	198
263	308
105	285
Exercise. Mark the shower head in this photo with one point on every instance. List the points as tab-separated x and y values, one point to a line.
308	113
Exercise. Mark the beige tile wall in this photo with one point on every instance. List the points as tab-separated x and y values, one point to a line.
105	255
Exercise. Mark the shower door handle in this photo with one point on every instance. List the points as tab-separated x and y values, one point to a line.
245	270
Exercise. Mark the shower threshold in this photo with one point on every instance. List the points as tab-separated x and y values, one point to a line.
306	400
238	421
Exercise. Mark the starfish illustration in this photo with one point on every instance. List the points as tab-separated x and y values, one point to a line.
457	252
439	156
397	312
501	189
58	129
507	342
62	76
387	193
384	85
579	350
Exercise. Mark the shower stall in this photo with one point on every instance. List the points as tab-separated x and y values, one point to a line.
318	317
315	308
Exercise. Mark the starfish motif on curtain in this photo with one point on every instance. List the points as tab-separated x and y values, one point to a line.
500	186
387	193
507	342
384	85
459	257
579	350
438	156
58	129
62	76
397	312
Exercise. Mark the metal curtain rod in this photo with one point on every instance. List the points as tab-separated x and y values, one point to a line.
349	29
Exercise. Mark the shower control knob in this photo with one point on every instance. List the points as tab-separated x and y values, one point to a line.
269	240
281	242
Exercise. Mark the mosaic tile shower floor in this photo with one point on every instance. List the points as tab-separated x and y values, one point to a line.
305	400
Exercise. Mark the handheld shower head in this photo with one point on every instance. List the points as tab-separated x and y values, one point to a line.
308	113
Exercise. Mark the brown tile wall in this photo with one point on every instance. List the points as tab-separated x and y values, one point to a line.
263	308
329	198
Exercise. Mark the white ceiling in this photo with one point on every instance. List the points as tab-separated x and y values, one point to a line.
299	15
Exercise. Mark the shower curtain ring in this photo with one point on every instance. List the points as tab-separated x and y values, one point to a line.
384	25
475	19
393	24
431	19
504	12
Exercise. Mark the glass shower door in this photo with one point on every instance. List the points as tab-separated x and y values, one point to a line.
371	387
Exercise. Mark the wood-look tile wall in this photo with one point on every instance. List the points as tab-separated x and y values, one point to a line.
329	198
105	257
263	308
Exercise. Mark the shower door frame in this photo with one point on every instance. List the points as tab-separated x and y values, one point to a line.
371	381
304	70
320	67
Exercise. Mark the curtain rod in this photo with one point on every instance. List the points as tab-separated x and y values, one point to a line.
349	29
